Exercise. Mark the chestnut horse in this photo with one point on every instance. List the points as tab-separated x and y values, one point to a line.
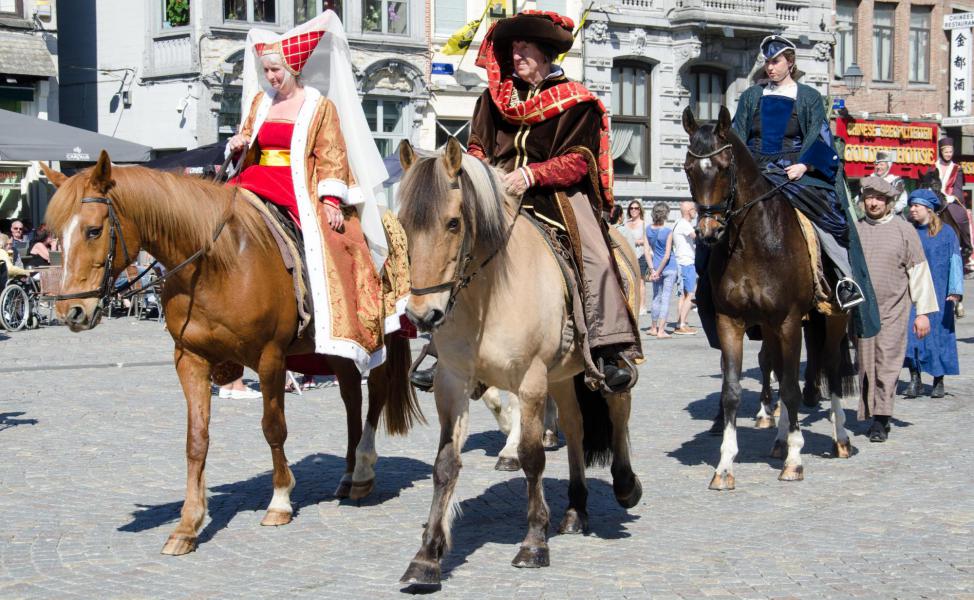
235	304
761	274
498	310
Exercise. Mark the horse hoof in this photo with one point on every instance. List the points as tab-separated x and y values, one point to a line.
632	496
276	517
722	482
574	522
778	449
532	557
764	423
507	464
177	545
421	576
790	473
344	489
361	489
842	449
550	440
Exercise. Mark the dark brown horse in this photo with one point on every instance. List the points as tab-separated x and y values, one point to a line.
761	274
235	304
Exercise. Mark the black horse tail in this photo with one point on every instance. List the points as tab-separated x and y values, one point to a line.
596	424
402	407
848	368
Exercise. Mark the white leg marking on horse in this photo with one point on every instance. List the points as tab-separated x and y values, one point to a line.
839	433
282	496
514	436
728	449
492	400
365	455
66	247
782	423
762	412
795	443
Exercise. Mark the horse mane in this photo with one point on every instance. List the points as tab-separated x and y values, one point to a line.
484	207
157	201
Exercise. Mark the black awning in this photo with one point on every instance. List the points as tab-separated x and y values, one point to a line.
29	138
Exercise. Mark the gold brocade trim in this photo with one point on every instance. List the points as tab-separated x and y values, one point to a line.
520	140
275	158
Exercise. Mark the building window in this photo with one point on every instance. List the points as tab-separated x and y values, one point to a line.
846	35
230	109
385	16
883	32
557	6
254	11
451	15
630	120
175	13
455	128
12	7
706	92
387	121
305	10
920	44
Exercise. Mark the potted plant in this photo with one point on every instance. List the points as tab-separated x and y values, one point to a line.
177	12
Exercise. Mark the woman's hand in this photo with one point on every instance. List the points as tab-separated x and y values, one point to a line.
238	143
514	183
334	215
953	298
796	171
921	326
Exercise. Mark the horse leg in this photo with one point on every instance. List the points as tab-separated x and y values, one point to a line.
790	392
576	516
452	393
533	392
834	352
271	372
764	420
350	388
625	484
815	344
550	439
363	477
194	377
492	400
731	332
507	459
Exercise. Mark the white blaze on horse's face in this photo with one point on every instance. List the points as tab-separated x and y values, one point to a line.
85	250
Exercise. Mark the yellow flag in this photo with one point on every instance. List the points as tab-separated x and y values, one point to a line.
581	24
461	39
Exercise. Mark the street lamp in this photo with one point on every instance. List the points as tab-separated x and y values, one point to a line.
853	78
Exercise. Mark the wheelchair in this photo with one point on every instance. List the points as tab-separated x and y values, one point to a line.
19	301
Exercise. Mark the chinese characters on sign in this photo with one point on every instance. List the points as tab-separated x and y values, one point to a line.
960	71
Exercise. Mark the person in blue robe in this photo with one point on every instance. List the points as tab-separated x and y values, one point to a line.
935	354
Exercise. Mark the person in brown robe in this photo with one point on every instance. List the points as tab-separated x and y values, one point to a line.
901	277
551	136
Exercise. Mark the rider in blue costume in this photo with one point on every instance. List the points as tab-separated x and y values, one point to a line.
784	126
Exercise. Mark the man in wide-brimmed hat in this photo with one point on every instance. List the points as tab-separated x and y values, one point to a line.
901	279
551	136
884	168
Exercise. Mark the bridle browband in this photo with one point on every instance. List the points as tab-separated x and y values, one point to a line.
465	256
107	290
726	206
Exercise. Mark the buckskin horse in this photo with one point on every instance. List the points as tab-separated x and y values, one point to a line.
761	274
235	303
493	293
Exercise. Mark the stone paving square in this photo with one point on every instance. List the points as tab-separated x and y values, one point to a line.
92	428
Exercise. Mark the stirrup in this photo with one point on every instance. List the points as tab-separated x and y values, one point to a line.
415	366
857	299
632	380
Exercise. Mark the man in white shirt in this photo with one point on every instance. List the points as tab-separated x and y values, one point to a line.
684	237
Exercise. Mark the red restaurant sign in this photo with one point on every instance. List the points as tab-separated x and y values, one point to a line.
915	145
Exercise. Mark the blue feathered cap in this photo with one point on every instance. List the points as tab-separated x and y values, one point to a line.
925	198
773	45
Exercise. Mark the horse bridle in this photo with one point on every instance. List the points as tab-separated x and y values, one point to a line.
465	257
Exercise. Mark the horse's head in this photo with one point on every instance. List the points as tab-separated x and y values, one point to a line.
452	210
711	171
98	241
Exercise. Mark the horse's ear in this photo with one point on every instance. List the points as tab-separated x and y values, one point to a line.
407	156
453	157
55	177
723	122
689	122
101	174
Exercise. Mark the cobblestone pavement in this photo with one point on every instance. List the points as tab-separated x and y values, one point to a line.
92	432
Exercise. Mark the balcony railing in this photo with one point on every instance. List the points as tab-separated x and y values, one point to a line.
637	4
171	54
744	13
789	13
755	7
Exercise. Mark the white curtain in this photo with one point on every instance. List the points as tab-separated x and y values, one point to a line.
627	145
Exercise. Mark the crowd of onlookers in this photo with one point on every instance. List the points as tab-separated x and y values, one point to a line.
22	247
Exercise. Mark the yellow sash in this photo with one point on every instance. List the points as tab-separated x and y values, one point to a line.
275	158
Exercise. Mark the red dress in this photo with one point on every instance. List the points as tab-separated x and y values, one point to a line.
272	183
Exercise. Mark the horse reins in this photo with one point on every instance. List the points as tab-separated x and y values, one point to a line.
726	205
104	292
465	256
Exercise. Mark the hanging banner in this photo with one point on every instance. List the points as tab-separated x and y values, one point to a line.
915	145
960	72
